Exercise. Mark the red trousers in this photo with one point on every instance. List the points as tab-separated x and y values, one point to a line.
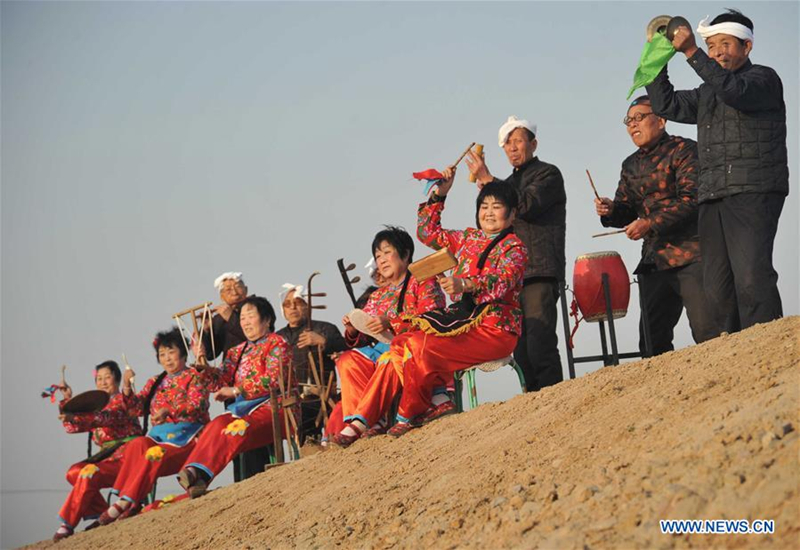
335	421
427	358
143	464
226	436
355	371
85	499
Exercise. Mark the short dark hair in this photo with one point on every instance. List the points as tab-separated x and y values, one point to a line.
733	16
113	367
264	308
398	238
170	339
501	192
641	100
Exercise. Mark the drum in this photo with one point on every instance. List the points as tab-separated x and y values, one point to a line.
86	402
587	283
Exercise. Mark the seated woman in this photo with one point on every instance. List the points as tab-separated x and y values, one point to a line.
111	428
401	295
177	402
484	321
246	375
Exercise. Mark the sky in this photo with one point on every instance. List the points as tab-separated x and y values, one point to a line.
148	147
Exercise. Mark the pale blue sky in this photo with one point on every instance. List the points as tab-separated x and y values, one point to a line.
148	147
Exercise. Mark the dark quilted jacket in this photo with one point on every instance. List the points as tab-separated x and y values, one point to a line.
741	126
542	220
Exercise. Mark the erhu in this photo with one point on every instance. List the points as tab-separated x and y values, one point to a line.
348	282
201	313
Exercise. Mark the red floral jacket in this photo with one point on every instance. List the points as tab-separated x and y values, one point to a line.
420	297
116	421
499	282
253	367
183	394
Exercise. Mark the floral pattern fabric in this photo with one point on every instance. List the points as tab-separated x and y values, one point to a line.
115	421
184	395
255	366
660	185
420	297
499	282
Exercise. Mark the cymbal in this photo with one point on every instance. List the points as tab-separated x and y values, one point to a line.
88	401
657	24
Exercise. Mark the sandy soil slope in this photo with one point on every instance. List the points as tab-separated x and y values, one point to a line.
710	431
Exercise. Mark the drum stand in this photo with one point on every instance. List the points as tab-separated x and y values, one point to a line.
615	356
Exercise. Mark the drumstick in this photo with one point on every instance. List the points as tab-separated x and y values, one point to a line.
464	154
128	367
617	232
593	187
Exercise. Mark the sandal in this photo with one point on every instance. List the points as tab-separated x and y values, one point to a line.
192	482
131	511
344	441
105	518
376	430
402	428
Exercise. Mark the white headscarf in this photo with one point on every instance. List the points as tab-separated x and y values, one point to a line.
299	292
371	266
229	276
512	124
728	27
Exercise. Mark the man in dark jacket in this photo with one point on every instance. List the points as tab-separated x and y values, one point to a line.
541	225
225	324
324	336
744	174
656	200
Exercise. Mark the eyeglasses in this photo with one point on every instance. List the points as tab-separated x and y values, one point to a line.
638	117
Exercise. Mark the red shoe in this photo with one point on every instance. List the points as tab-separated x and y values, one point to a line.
376	430
402	428
105	518
443	409
94	525
131	511
344	441
63	532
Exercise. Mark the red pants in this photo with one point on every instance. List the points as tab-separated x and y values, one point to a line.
226	436
335	421
355	371
85	499
427	358
142	465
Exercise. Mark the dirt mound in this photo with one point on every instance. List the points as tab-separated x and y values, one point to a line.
709	431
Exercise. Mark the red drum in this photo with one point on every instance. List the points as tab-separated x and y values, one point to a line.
587	283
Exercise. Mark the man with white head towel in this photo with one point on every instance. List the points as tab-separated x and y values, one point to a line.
541	225
744	174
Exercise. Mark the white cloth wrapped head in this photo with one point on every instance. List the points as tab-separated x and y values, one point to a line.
229	276
512	124
371	266
728	27
299	293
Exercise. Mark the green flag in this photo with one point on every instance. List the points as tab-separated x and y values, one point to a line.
655	56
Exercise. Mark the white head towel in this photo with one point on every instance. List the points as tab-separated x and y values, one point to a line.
512	124
728	27
230	275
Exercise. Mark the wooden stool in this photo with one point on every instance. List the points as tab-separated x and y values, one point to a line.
469	374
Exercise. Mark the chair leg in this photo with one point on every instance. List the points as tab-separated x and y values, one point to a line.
473	389
459	387
521	375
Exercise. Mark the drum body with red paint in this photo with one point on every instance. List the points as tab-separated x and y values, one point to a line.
587	282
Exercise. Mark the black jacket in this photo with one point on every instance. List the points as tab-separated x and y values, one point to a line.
541	222
741	126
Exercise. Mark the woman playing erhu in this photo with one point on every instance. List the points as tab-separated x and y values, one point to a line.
177	404
483	323
246	375
393	250
111	428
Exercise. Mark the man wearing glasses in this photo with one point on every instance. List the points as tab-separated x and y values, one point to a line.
656	201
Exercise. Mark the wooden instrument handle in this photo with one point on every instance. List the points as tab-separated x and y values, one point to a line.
479	152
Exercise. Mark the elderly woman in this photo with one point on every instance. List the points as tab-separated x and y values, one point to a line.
483	323
111	427
247	374
401	295
177	403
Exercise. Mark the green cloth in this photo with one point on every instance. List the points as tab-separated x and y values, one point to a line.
655	56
